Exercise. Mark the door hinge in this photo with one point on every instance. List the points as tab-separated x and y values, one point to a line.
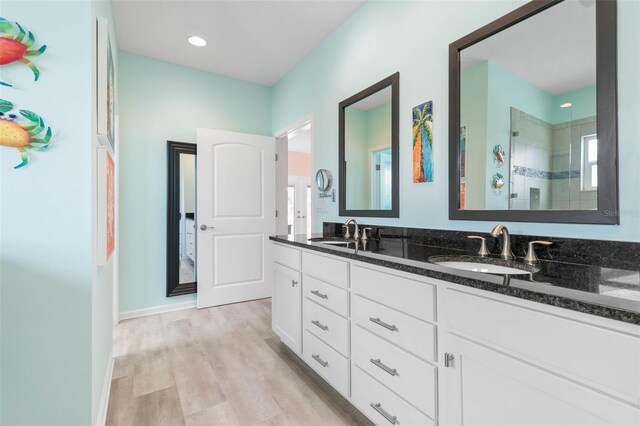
276	157
276	213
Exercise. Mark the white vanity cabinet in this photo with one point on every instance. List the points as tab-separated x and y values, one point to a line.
411	350
513	361
286	314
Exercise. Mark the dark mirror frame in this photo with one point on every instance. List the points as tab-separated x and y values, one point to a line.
393	81
607	121
174	287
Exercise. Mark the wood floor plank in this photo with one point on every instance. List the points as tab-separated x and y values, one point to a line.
161	408
221	414
217	366
122	403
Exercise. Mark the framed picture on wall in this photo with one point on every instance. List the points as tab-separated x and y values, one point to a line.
106	86
106	205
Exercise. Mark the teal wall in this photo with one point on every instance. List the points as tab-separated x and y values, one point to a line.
46	261
160	101
413	38
474	83
583	102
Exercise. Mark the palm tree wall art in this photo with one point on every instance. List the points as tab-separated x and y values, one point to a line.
423	143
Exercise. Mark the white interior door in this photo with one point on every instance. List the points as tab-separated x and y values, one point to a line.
236	215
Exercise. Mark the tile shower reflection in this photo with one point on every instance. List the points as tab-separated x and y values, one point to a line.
553	166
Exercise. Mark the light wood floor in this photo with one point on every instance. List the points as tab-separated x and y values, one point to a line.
218	366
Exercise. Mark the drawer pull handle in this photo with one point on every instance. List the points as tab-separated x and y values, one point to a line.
320	361
320	295
378	407
381	323
294	283
384	367
319	325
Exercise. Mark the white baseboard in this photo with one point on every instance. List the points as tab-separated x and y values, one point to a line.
157	310
101	419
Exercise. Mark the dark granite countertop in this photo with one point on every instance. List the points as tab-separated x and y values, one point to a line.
607	292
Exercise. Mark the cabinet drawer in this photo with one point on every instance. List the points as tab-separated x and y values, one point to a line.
327	295
367	392
410	333
600	357
405	374
286	256
328	363
331	270
412	297
326	325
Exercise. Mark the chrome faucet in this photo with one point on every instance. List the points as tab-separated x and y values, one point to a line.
356	233
506	241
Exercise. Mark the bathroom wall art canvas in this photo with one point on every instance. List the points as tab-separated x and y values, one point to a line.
423	142
106	205
106	87
463	151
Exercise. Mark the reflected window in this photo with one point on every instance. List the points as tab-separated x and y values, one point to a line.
589	170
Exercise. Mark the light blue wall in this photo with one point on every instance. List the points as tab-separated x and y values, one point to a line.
413	37
474	100
46	227
584	104
160	101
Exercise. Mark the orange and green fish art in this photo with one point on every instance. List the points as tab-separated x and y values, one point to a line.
23	132
14	46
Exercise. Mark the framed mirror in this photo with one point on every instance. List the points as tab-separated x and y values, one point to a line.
181	220
368	151
533	116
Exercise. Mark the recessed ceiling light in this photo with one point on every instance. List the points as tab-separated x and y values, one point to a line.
197	41
566	105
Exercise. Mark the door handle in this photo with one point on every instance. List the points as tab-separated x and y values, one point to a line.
205	227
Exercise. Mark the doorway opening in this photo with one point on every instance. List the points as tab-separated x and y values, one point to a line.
295	180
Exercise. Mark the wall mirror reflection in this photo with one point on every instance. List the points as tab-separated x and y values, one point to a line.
181	220
528	133
369	151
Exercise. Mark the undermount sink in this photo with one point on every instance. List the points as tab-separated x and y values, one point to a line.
486	265
340	243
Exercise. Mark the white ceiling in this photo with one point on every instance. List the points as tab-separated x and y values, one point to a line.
300	141
554	50
257	41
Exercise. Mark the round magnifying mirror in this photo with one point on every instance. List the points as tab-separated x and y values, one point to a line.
323	180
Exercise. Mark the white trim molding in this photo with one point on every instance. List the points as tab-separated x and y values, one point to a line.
157	310
101	418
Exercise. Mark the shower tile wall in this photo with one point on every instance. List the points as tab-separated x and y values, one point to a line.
531	148
566	161
546	158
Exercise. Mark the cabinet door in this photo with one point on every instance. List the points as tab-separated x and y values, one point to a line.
485	387
287	307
